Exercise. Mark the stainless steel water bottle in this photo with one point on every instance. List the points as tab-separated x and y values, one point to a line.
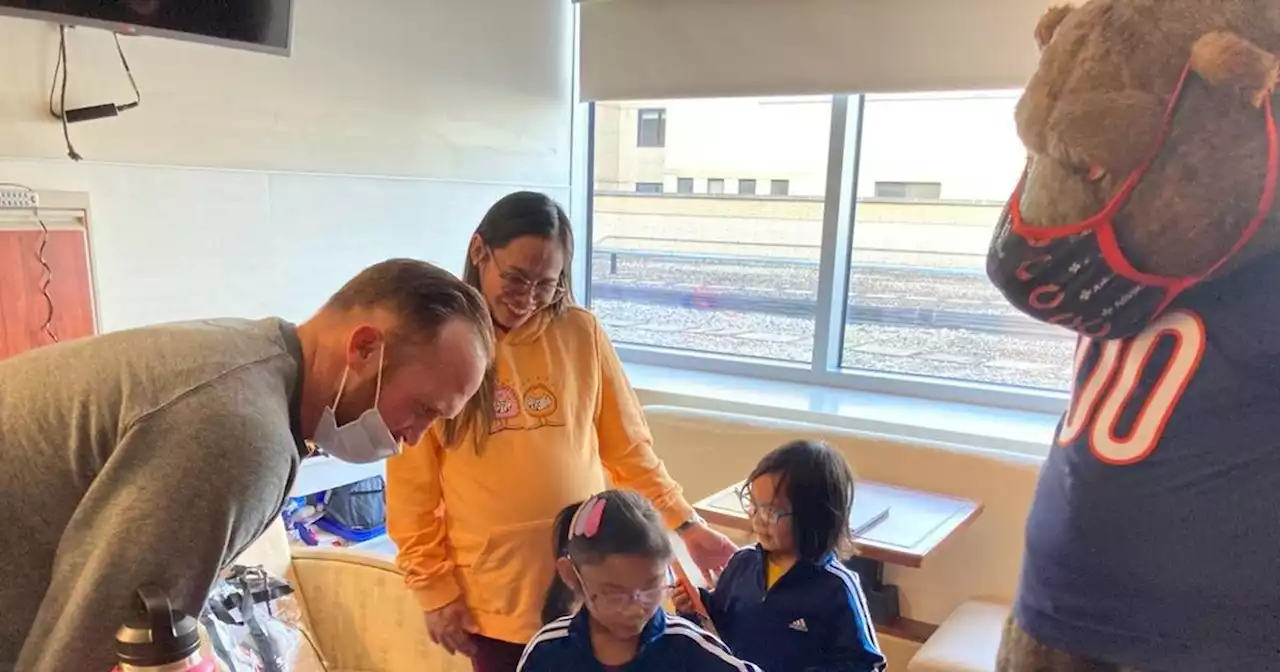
159	638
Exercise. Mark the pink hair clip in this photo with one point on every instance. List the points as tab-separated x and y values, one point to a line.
586	523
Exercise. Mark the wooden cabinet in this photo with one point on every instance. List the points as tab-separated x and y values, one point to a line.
23	308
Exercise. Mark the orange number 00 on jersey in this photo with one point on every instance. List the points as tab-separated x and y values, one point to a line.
1098	402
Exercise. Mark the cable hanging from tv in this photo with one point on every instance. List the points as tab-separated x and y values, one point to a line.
90	112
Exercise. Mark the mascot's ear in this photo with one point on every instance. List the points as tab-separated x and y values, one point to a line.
1226	59
1049	23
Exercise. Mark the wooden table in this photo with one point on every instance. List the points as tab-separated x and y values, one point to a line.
891	524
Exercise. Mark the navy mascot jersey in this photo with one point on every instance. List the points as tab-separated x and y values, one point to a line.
1154	537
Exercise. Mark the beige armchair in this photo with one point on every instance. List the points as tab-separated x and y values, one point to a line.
359	613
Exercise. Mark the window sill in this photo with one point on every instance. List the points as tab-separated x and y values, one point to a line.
983	427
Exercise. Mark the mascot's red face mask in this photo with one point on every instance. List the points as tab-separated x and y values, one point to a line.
1076	275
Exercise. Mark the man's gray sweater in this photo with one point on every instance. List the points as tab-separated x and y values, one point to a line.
153	455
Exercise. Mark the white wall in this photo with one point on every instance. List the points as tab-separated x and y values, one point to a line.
249	184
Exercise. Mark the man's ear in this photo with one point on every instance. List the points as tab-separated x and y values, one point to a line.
363	346
1226	59
1049	22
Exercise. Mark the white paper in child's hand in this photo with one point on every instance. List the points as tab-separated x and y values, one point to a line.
686	562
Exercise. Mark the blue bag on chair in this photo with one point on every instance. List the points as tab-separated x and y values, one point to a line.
356	512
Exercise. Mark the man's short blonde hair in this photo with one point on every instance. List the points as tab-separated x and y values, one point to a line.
423	298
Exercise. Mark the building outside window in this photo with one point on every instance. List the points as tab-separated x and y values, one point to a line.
779	187
684	185
715	185
746	187
651	127
648	187
915	191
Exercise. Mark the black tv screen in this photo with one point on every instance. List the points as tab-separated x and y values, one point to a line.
261	25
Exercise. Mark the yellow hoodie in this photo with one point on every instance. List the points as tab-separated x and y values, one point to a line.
479	525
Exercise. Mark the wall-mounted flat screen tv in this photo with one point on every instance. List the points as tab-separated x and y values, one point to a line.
260	25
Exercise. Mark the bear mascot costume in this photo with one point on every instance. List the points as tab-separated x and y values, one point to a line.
1145	222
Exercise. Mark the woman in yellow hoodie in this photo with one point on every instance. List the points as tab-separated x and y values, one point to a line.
471	506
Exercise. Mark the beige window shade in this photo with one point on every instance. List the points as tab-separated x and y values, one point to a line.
647	49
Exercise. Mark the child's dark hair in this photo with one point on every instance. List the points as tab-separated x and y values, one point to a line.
628	525
819	484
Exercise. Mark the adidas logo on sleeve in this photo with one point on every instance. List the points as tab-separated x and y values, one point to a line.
799	625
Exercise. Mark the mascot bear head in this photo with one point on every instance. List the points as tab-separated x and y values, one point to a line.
1152	159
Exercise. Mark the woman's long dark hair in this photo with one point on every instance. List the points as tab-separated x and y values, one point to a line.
819	484
629	525
523	213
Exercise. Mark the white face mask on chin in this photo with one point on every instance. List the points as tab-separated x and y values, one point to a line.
365	439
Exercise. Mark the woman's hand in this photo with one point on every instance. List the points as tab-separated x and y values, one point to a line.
709	549
451	626
682	600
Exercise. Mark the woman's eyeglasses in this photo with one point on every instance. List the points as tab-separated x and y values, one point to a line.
767	513
515	284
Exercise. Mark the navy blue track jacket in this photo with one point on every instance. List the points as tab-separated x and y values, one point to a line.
667	644
813	619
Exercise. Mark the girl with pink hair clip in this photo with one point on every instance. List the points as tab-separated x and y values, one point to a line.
604	608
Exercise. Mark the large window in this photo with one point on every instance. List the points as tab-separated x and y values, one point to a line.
919	299
882	280
714	275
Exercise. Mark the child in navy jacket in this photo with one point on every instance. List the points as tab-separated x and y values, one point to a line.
788	604
613	565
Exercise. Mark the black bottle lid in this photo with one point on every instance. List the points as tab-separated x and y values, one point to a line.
156	633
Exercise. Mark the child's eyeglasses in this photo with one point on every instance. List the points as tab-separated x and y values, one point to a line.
767	513
620	600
